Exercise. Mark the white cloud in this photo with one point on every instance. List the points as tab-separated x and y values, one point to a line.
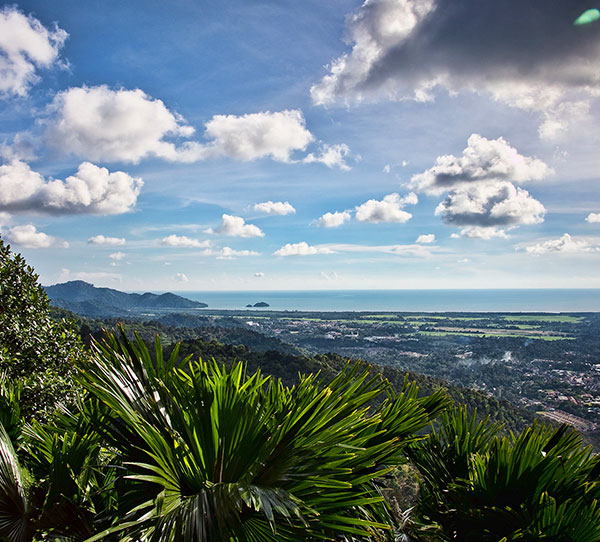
275	208
387	168
115	125
258	135
184	242
22	148
227	253
398	250
259	274
426	238
181	277
482	160
480	232
593	218
110	241
491	204
331	156
235	226
92	190
480	190
390	209
301	249
408	49
25	46
28	236
4	219
304	249
117	256
333	220
98	123
566	244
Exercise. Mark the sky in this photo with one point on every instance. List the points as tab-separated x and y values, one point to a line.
283	145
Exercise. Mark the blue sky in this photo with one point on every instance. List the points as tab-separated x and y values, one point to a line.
301	145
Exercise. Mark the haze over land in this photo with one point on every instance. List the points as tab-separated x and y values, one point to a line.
256	146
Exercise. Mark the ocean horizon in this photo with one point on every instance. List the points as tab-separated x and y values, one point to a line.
501	300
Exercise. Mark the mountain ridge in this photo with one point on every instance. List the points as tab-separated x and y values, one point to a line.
86	299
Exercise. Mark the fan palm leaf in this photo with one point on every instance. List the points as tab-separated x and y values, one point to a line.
217	454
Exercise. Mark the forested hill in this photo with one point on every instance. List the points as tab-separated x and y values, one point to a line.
280	360
85	299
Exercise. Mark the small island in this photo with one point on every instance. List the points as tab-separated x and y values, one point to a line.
260	304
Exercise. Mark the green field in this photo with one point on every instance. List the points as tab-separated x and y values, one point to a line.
486	335
550	318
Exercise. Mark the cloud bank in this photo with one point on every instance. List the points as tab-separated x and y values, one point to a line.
406	49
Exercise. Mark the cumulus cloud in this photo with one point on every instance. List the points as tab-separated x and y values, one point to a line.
259	274
405	49
390	209
181	277
275	208
4	219
227	253
92	190
566	244
28	236
593	218
425	238
482	160
99	123
491	204
25	47
258	135
117	256
184	242
332	156
235	226
480	232
22	147
302	249
333	220
480	194
110	241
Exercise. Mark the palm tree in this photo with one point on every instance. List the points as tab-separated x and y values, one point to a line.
213	453
476	486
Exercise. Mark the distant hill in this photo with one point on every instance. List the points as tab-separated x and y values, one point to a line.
85	299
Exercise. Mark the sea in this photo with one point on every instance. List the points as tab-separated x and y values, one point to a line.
522	300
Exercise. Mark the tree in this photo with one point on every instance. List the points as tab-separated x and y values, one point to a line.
477	486
216	454
35	349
